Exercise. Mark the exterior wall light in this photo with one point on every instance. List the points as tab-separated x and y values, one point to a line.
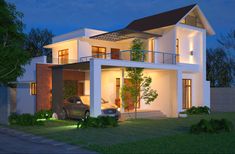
191	53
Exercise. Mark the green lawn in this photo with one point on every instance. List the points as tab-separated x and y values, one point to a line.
142	136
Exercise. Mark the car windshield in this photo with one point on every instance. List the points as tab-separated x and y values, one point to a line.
86	100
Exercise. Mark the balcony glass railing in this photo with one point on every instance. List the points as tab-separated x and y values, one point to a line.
146	56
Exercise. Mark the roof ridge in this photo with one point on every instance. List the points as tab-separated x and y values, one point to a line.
192	5
162	19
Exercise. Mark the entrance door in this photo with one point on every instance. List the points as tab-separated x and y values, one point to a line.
129	105
115	53
187	93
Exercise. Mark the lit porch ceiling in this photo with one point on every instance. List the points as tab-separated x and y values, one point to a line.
124	34
81	66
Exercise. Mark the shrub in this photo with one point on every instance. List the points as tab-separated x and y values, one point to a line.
198	110
24	120
99	122
44	114
12	119
212	126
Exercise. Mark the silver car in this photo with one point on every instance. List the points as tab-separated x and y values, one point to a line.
79	107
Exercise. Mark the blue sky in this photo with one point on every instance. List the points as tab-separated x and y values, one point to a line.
62	16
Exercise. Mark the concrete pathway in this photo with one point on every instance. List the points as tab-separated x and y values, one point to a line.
12	141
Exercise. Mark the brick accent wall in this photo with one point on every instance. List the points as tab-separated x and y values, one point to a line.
75	75
44	84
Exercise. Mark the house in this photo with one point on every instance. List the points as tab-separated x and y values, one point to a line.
92	62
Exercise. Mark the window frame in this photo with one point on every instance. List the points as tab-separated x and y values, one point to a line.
33	88
185	104
99	54
61	56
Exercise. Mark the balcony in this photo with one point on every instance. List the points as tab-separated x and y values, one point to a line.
146	56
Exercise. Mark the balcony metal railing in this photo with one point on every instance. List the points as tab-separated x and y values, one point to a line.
60	61
146	56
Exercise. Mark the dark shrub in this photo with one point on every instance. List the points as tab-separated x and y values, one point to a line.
212	126
24	120
44	114
198	110
13	118
100	122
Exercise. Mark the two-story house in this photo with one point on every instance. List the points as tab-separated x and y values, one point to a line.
93	62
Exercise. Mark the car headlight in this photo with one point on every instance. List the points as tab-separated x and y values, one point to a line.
119	109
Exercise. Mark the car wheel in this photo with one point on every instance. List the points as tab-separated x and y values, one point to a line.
64	115
87	114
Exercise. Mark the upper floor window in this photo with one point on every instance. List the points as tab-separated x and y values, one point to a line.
63	56
99	52
177	50
33	88
193	20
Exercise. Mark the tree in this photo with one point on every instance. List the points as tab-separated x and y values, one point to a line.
227	43
36	40
12	54
139	89
219	68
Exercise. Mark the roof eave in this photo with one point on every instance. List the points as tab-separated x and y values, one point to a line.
206	23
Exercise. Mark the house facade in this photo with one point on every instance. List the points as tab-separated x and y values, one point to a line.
93	62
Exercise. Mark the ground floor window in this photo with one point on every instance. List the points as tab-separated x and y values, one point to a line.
33	88
187	93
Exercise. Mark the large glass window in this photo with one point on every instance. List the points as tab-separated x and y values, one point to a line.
193	20
99	52
63	56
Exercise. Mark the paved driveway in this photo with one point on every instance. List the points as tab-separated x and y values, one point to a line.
16	142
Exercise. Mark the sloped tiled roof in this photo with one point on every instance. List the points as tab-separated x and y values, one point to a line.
160	20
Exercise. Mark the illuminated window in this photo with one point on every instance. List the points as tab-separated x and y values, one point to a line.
187	93
177	51
99	52
33	88
117	88
63	56
192	19
152	43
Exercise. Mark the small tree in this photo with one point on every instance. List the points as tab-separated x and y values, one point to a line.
139	88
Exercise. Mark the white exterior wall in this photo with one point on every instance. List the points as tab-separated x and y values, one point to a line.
194	39
166	43
165	82
25	102
189	40
30	69
72	47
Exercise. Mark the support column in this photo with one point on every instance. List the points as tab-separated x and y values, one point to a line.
155	49
122	84
179	90
57	90
95	88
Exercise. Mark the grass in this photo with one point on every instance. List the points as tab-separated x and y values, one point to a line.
141	136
